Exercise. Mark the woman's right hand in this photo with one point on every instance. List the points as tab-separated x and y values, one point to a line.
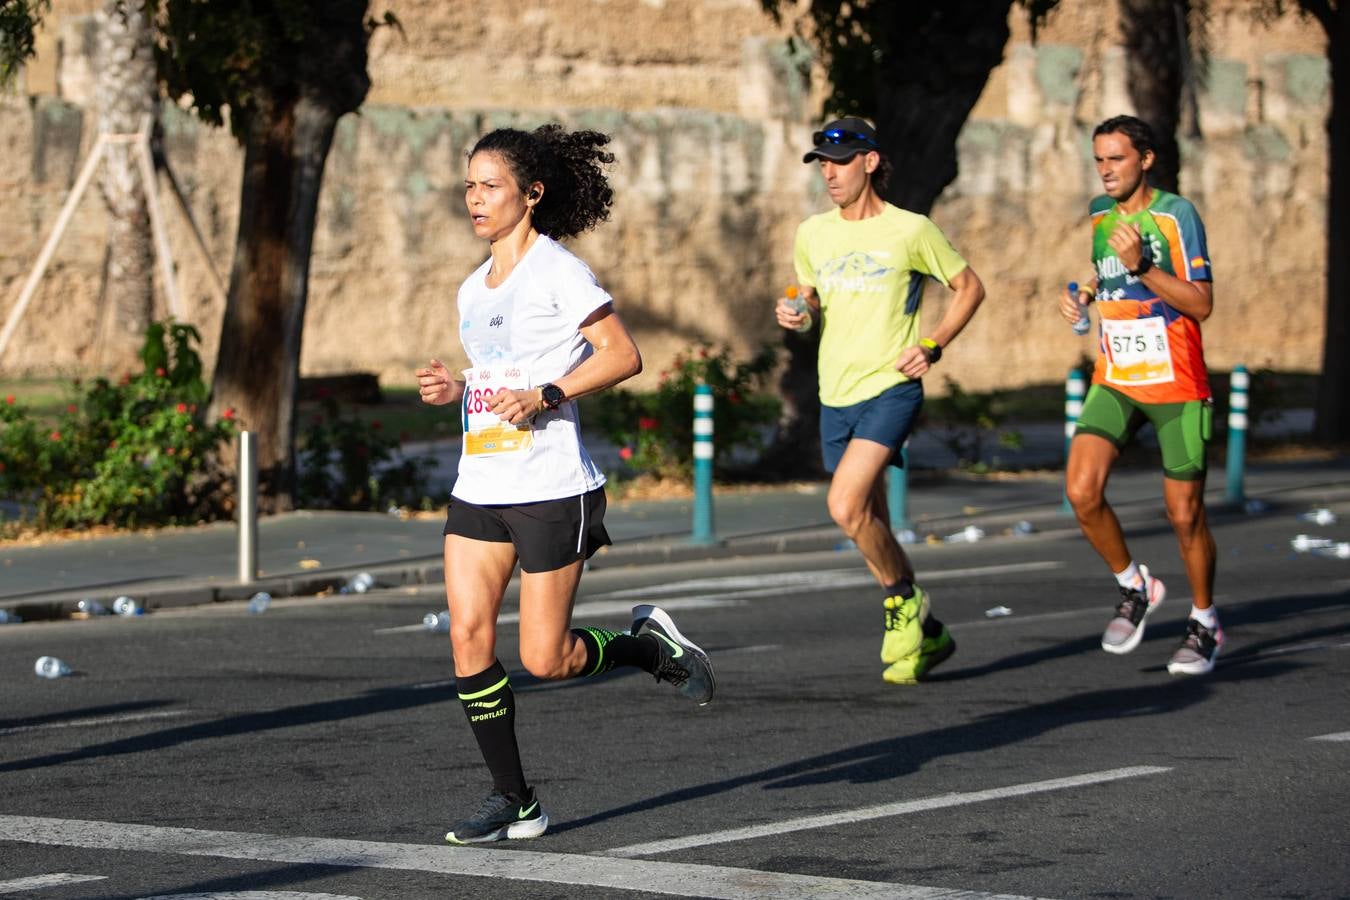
1072	304
436	386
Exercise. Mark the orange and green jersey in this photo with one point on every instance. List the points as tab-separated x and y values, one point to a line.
1150	351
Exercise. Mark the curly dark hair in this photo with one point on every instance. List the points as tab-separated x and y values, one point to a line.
577	195
1137	130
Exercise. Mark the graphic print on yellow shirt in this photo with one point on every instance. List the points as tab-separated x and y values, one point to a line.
1149	350
869	275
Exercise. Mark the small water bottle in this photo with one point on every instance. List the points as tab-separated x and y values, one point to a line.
259	602
50	667
437	622
358	583
91	607
797	303
1319	516
1081	326
9	617
127	606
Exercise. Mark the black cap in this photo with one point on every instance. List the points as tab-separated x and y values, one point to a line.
843	139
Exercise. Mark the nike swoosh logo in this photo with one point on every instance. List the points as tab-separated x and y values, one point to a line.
527	810
484	704
678	650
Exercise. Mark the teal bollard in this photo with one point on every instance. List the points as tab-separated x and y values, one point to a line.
1238	384
1075	388
897	491
703	466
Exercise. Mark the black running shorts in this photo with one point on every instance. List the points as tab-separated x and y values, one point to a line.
547	535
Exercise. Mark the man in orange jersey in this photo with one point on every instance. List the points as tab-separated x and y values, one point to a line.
1152	288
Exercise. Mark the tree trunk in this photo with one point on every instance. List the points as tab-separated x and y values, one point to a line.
1332	422
126	92
1157	50
926	90
258	365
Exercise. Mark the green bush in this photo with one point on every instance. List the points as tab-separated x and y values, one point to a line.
349	463
654	430
963	421
128	454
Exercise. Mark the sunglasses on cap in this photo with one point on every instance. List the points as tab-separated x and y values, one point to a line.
839	136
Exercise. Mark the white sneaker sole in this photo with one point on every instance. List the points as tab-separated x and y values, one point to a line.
531	828
1133	640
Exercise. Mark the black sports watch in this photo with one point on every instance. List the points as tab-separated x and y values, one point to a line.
1145	264
931	349
552	395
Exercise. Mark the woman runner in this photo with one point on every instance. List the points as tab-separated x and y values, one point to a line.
539	332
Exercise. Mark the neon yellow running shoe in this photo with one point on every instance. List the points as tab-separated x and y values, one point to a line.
903	620
915	667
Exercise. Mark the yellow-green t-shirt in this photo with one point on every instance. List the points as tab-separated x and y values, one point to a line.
869	275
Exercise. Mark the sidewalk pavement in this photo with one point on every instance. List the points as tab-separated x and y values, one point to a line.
307	553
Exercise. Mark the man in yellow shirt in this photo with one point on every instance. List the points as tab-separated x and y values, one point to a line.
861	269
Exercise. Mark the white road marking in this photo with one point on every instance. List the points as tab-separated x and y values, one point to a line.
737	588
103	720
678	879
1338	737
878	812
251	895
37	882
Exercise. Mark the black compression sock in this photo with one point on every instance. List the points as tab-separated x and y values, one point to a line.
606	650
491	707
902	588
931	626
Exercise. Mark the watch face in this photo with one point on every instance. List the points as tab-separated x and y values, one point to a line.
553	395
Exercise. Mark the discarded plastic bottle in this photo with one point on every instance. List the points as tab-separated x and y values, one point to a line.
437	622
1024	527
1339	550
997	612
1303	543
968	535
127	606
50	667
797	303
1081	326
9	618
259	602
91	607
906	536
359	583
1319	517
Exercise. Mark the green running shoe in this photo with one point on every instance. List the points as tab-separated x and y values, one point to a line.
904	625
915	667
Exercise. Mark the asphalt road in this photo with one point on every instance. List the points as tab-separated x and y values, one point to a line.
317	751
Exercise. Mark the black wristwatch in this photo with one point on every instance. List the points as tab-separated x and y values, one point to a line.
1144	265
931	349
552	395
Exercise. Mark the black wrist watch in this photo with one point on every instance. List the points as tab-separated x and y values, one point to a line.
931	349
1144	265
552	395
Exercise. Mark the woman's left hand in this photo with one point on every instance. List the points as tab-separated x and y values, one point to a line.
517	407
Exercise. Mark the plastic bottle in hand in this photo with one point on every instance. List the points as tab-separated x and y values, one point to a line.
1081	326
797	303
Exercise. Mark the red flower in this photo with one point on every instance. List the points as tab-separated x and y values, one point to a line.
72	408
56	435
733	398
9	398
125	379
169	451
375	425
112	445
159	371
625	453
702	352
228	413
182	407
646	423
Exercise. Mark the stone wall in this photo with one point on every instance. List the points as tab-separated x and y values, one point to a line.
709	113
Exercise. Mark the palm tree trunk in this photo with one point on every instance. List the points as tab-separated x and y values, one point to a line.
258	364
126	92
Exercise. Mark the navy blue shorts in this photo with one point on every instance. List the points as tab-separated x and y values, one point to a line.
886	418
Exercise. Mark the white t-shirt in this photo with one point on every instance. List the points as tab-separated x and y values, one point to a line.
527	327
